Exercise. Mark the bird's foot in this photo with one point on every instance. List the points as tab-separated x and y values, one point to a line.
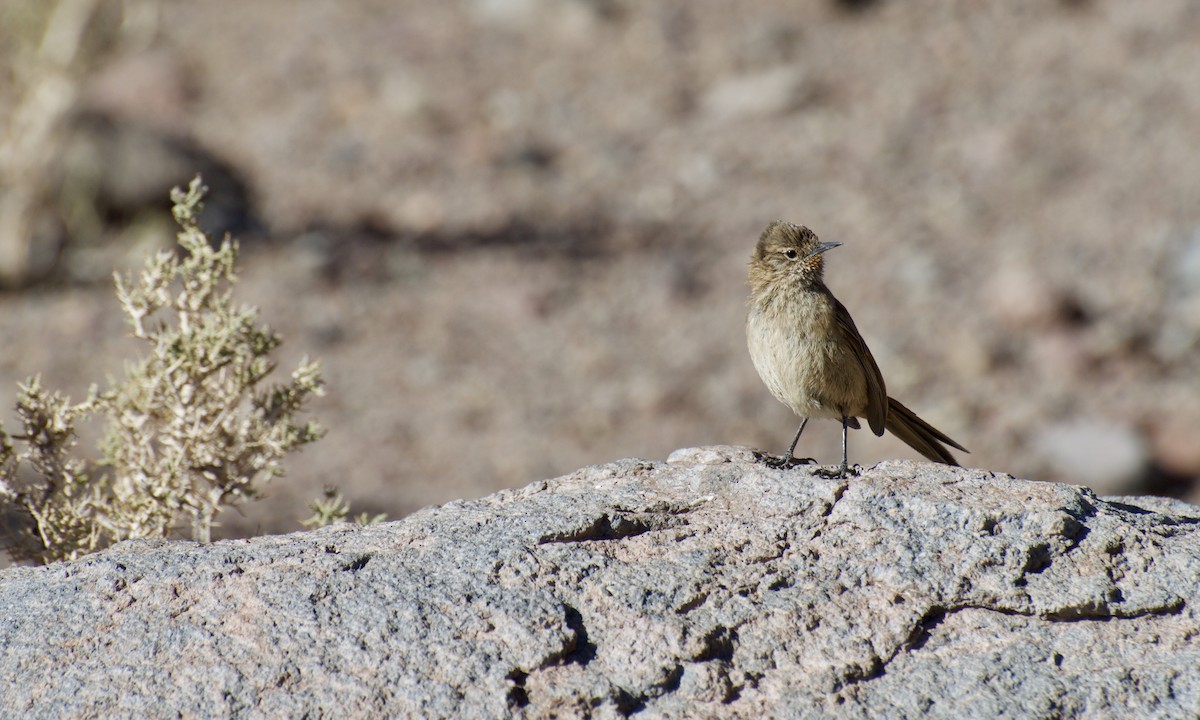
838	473
779	462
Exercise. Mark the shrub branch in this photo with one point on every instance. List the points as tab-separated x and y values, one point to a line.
193	426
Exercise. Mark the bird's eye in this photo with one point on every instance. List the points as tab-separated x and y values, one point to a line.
790	254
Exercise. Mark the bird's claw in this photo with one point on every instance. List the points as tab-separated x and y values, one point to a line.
780	462
838	473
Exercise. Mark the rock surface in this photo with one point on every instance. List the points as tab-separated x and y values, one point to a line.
707	585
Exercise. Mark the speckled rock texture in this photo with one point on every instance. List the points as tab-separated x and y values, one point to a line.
705	586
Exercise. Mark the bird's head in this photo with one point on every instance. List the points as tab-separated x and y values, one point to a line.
787	253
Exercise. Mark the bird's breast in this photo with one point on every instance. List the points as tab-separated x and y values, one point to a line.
797	350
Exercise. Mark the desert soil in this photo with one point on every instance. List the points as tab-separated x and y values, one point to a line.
515	232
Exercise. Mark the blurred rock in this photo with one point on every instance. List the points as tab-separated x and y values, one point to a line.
1179	332
151	88
1110	458
708	586
762	94
1021	298
1176	444
855	6
1059	354
132	167
537	14
1185	270
114	182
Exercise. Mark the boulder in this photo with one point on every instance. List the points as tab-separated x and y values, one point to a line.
709	585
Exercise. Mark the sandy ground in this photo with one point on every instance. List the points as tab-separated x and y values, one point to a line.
515	232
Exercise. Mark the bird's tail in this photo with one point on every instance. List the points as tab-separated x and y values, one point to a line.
919	435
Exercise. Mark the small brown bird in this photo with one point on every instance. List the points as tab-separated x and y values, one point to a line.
809	353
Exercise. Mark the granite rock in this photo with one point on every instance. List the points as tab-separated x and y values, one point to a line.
704	586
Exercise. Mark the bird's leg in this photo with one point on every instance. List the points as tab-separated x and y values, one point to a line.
788	460
792	448
845	453
844	469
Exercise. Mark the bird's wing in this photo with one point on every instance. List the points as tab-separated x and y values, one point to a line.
877	399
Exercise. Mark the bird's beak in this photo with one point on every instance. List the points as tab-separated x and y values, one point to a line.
822	247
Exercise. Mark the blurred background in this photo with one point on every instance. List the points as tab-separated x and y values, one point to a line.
515	231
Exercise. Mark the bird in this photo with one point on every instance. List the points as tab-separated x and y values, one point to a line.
810	354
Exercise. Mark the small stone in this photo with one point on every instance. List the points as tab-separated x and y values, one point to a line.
757	95
1177	446
151	88
1021	298
1110	458
1185	269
